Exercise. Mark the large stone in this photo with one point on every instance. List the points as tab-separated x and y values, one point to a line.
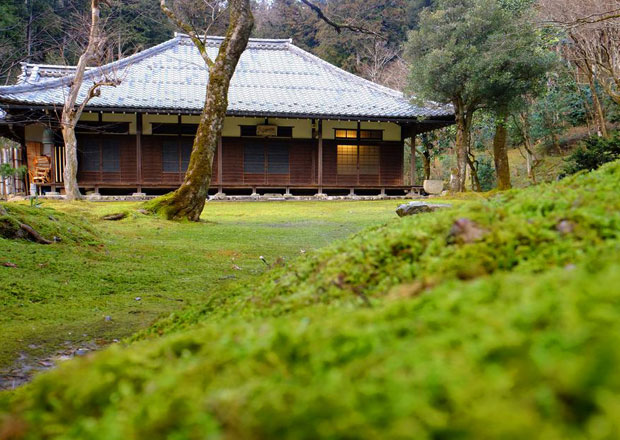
413	208
433	186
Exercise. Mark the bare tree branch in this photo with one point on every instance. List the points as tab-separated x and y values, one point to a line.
189	30
338	27
590	19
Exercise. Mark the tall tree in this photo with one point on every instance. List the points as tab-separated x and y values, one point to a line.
188	201
517	68
462	52
72	110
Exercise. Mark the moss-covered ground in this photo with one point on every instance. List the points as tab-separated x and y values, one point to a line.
499	318
62	293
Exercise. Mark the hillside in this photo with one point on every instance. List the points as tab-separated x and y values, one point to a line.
494	319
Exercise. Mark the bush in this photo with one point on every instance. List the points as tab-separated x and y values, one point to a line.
594	152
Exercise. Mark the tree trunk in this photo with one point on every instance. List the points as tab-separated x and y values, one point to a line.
188	201
426	160
500	154
71	112
475	180
463	135
599	114
530	158
72	190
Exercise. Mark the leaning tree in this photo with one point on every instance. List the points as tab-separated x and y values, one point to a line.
188	201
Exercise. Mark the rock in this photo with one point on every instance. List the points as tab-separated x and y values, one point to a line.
143	211
138	298
81	352
433	186
413	208
565	227
115	217
465	230
107	318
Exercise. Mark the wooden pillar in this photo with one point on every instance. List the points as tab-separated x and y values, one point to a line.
320	156
139	150
219	163
413	168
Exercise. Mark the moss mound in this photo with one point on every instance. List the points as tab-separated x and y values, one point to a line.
498	319
48	224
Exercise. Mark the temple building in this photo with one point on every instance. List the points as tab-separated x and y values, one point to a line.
295	124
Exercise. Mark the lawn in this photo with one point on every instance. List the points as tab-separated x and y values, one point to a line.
141	268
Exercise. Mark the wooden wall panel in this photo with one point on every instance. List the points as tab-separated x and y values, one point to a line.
302	164
126	175
392	164
232	162
330	170
129	160
151	160
214	170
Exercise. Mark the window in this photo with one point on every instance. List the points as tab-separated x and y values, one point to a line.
170	156
248	130
353	158
371	134
364	134
100	155
347	159
260	159
254	159
91	155
175	154
346	134
110	156
277	159
165	128
285	132
369	159
186	151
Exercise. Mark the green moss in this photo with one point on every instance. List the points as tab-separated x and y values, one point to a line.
402	331
159	205
61	293
50	223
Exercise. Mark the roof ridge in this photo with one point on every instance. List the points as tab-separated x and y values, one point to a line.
91	70
251	40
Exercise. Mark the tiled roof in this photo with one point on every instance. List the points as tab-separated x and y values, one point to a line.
273	77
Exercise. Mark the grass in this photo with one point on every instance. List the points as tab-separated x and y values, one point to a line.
63	292
496	319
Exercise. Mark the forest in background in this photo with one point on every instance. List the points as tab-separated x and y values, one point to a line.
544	125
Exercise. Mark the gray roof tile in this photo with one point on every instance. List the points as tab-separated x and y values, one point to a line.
273	77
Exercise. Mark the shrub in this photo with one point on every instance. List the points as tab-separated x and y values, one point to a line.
594	152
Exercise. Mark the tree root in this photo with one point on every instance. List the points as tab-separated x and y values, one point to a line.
34	235
175	206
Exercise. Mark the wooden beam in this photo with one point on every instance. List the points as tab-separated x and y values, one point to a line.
320	155
219	161
139	149
413	167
